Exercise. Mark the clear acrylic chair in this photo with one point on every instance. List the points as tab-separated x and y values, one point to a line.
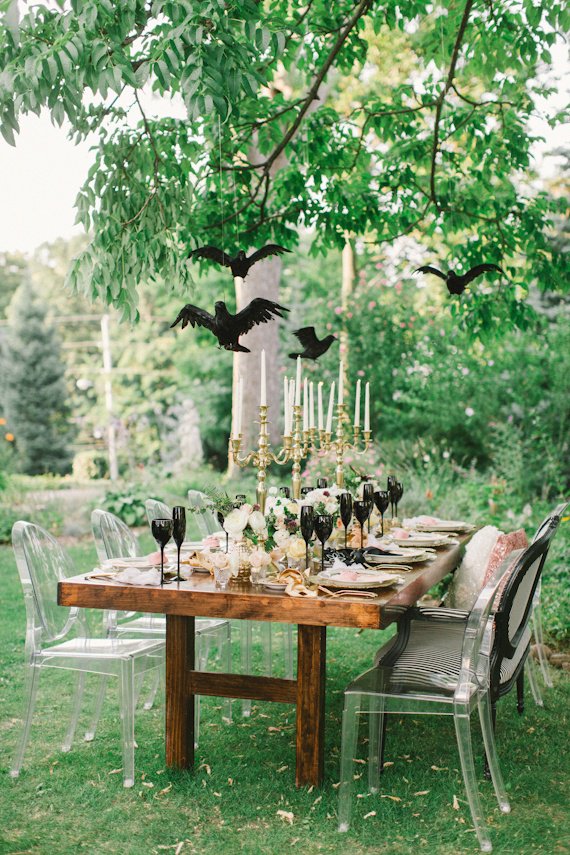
202	509
58	637
447	662
114	539
538	635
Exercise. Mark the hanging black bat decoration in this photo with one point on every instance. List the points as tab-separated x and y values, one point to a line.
226	327
241	264
456	282
312	346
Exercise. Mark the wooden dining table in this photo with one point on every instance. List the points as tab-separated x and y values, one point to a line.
199	597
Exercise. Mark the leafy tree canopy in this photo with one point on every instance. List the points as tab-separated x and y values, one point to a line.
432	138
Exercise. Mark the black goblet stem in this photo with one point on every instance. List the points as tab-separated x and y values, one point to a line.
161	565
362	535
382	518
178	547
227	542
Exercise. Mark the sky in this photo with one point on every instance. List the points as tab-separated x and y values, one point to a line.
39	179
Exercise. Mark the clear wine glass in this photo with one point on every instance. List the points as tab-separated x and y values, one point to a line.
361	512
162	532
345	504
368	497
322	483
382	500
323	529
307	526
221	520
178	534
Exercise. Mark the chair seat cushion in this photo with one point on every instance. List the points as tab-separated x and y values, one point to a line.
430	661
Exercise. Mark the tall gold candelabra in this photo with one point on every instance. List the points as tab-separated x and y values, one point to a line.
296	446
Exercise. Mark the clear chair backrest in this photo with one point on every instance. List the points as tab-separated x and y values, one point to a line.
516	600
42	563
156	510
113	538
203	509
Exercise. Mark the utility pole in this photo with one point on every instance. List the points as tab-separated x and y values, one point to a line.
107	369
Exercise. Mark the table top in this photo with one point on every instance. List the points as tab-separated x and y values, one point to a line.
199	597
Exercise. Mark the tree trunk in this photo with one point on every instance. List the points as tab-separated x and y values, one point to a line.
261	281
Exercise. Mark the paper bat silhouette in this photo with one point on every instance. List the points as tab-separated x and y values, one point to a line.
312	346
457	283
241	264
227	327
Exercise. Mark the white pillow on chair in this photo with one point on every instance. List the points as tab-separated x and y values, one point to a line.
469	577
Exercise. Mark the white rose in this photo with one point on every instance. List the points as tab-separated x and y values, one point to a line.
331	506
236	521
296	548
257	521
248	508
272	491
281	538
293	508
259	558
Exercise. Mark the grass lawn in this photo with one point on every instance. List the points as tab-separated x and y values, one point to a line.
65	803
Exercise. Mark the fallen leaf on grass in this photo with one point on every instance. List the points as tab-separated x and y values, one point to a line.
147	784
206	767
178	849
274	730
282	768
393	798
165	790
455	803
317	800
231	782
218	795
440	768
336	786
361	762
390	763
368	815
115	772
295	840
287	815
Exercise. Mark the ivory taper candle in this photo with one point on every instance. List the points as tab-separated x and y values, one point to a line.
311	406
357	405
330	412
298	384
305	404
320	405
367	407
263	383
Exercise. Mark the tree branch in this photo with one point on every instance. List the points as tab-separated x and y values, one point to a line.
444	91
361	9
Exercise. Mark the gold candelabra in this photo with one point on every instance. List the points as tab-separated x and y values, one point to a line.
296	446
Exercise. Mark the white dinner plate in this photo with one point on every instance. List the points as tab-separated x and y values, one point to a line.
367	579
275	586
445	525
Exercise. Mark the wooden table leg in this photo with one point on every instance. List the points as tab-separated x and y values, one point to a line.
311	647
179	703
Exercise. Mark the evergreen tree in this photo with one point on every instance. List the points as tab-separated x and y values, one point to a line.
33	388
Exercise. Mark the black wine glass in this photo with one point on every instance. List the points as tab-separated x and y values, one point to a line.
307	526
285	492
394	498
399	492
323	524
390	484
382	500
368	497
361	512
178	533
322	483
241	497
305	490
162	532
345	504
221	520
